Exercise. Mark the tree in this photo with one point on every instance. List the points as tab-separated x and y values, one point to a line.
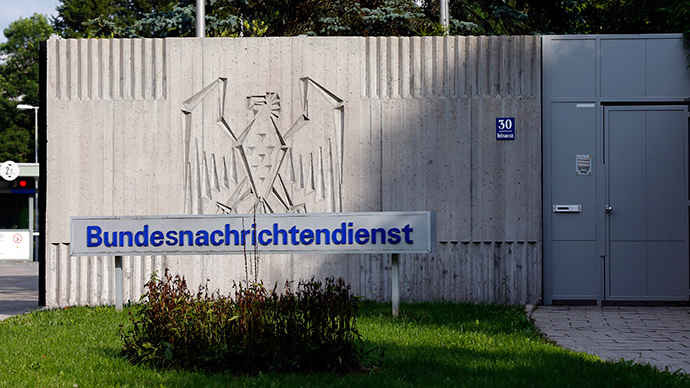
680	10
637	17
276	18
74	15
164	18
16	133
629	17
19	84
510	17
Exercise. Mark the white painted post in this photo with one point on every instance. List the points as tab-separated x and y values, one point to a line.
118	283
395	280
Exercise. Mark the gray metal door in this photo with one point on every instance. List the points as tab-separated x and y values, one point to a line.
645	153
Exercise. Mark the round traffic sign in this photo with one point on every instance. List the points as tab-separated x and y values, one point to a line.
9	170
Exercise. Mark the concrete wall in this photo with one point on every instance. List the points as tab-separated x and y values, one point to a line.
196	126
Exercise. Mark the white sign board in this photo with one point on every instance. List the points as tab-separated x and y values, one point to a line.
15	245
392	232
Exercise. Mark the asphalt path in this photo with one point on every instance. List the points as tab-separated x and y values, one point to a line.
18	288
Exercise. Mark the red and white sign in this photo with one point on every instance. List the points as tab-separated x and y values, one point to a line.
14	245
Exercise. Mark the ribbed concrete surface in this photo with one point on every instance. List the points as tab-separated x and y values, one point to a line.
659	336
149	127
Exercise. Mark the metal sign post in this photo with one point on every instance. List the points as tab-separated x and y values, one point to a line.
118	283
395	283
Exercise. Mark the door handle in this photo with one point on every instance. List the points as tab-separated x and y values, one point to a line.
608	209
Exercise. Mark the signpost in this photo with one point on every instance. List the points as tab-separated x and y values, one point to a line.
328	233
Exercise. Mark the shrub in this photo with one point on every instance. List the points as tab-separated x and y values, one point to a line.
311	329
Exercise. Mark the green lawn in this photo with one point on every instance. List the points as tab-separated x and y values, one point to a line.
430	345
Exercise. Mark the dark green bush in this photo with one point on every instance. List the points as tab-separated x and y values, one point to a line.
310	329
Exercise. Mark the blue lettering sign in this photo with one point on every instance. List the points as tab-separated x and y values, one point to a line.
327	233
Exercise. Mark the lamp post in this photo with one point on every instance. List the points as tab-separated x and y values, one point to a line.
200	18
33	206
444	15
35	108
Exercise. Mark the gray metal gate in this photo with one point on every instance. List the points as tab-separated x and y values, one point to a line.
647	207
615	135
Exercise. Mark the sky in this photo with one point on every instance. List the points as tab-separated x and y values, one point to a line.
11	10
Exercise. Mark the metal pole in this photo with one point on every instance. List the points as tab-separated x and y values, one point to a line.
31	228
34	246
395	282
118	283
36	135
200	18
444	14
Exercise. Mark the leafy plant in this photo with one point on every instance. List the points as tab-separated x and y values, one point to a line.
311	329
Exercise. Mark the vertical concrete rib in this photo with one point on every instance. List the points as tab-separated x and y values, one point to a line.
55	73
127	65
471	64
383	67
63	270
72	72
104	68
449	65
394	67
115	84
51	280
405	67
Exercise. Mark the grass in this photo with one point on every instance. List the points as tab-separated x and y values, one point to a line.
430	345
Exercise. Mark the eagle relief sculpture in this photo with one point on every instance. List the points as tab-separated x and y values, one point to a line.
262	167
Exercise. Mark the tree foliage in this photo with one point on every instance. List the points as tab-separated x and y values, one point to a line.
275	18
680	10
629	17
19	84
510	17
165	18
74	15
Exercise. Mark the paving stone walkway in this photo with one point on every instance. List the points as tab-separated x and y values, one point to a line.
659	336
18	288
